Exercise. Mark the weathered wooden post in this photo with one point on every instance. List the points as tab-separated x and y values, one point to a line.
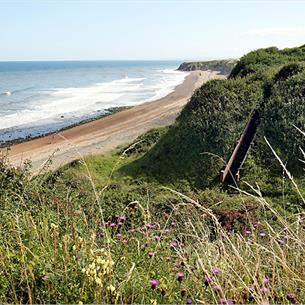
231	171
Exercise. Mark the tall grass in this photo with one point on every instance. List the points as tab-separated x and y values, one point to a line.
61	243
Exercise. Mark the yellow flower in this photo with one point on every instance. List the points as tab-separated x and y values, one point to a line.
111	288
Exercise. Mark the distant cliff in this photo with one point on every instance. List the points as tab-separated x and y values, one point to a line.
224	66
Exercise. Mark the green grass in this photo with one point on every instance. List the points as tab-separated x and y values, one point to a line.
99	230
57	243
203	138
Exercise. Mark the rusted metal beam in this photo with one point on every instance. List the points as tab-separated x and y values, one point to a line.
231	171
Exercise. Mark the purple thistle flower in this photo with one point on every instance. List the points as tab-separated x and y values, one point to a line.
216	271
122	218
251	289
266	280
120	223
180	276
183	292
119	235
149	226
153	283
291	297
264	290
173	244
151	254
248	232
157	238
112	225
226	301
189	300
217	288
208	280
173	224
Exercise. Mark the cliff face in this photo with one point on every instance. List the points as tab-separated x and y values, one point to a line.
223	66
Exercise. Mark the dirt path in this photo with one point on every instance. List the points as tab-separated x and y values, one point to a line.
105	134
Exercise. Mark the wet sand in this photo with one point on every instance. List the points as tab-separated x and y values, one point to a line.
105	134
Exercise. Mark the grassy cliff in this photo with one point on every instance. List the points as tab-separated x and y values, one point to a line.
148	224
197	146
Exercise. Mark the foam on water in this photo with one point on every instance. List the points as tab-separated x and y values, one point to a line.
49	109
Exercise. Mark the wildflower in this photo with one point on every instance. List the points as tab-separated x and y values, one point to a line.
183	292
291	297
122	218
153	283
180	276
174	244
189	300
217	288
264	290
157	238
149	226
112	225
207	280
216	271
251	289
247	232
226	301
111	288
151	254
125	241
266	280
119	235
173	224
262	234
120	223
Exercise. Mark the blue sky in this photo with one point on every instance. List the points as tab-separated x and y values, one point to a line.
81	30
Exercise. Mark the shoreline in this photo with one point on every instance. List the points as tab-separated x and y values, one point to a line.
105	134
108	111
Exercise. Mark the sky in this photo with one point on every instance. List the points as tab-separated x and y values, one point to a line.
146	30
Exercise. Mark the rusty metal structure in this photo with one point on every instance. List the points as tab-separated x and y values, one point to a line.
231	171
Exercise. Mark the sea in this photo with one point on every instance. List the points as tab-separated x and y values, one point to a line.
40	97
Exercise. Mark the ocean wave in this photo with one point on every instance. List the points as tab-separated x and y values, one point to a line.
58	106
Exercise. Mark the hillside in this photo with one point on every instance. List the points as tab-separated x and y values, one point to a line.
204	135
150	224
224	66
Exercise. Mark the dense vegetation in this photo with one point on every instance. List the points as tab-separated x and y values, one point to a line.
198	145
150	224
223	66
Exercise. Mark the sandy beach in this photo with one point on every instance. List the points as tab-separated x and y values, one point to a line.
105	134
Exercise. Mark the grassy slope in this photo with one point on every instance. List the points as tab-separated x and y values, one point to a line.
204	136
95	232
57	243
